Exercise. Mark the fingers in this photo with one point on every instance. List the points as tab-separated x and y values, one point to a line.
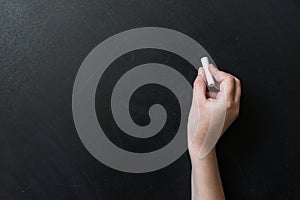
217	74
238	90
201	73
200	89
228	88
201	70
229	85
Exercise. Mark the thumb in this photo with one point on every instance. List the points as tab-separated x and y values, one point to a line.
200	89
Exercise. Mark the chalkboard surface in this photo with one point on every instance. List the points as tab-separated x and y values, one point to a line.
42	45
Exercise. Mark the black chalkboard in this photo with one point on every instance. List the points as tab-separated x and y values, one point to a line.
43	44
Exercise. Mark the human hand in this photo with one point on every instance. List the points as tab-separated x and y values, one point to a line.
213	112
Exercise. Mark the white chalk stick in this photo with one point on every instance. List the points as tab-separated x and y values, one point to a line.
209	78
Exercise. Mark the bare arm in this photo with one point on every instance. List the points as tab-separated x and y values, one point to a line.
206	181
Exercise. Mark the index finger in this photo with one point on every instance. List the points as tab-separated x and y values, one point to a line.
217	74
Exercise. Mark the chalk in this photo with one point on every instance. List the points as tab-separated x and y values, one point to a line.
209	78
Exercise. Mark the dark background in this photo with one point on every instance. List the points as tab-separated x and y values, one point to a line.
42	45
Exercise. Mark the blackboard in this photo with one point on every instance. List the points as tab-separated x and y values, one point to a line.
43	44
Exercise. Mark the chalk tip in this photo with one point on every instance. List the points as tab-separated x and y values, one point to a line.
211	85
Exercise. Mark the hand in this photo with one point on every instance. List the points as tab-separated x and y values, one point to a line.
214	111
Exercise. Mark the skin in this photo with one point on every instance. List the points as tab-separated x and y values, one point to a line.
206	181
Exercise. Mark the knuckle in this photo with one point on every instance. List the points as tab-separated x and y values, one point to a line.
229	105
198	83
238	81
231	79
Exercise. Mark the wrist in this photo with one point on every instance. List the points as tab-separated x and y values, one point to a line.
210	157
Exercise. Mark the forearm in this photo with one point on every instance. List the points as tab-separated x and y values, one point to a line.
206	181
